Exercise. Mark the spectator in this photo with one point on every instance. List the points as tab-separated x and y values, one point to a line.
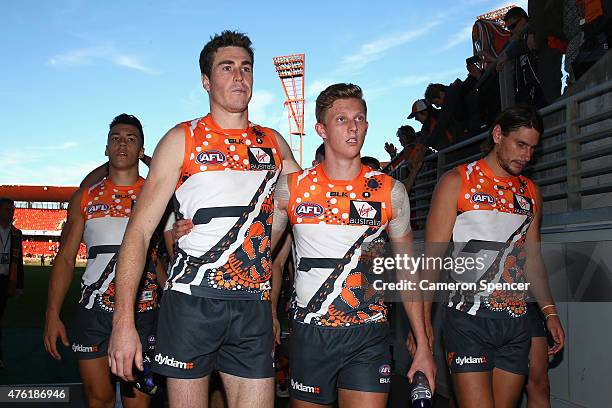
546	37
11	260
536	48
405	135
371	162
596	38
431	134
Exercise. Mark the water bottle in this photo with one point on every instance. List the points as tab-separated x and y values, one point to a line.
145	381
420	396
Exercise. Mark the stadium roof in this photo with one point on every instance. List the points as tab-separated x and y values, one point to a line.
37	193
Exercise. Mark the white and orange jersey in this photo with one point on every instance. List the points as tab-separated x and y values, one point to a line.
106	209
493	216
226	188
333	221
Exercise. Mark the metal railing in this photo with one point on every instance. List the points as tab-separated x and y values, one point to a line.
572	162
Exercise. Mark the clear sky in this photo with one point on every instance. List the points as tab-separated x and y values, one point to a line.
69	66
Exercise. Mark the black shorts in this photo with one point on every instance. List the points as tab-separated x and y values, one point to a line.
323	359
197	335
480	344
537	324
93	329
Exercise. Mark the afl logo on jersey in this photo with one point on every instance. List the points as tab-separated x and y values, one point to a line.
482	198
211	157
308	210
97	208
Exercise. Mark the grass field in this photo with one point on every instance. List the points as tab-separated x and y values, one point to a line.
25	357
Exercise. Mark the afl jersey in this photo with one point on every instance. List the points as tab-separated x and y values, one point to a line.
338	226
493	216
106	209
226	188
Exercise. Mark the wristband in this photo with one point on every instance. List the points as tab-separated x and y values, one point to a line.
547	306
550	314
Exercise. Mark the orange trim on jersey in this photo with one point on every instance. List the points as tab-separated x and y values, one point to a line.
212	148
107	199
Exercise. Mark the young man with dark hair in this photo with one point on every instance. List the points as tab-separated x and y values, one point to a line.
98	216
11	260
216	313
339	347
482	206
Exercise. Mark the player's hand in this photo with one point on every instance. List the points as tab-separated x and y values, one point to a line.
553	324
54	328
181	228
276	329
423	361
124	350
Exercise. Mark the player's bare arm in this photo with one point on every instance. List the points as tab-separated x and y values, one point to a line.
400	236
289	163
538	278
61	275
125	347
439	228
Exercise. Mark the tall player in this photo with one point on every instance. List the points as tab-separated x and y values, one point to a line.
491	207
222	170
98	216
339	347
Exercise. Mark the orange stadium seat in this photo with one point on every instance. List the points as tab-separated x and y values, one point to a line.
39	219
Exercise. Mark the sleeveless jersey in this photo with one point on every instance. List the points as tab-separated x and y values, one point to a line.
493	216
226	189
106	209
338	227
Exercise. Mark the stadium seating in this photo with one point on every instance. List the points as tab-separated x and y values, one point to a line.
39	219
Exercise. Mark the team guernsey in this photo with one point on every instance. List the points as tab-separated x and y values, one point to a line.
106	209
226	189
336	226
493	216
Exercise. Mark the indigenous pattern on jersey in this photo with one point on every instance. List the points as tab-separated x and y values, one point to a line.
226	189
493	216
332	220
106	209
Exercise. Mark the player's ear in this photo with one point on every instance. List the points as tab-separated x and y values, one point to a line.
106	151
321	131
206	82
497	134
141	153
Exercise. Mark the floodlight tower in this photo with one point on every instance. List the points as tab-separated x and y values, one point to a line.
290	70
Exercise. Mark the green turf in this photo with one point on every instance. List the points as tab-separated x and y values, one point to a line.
25	357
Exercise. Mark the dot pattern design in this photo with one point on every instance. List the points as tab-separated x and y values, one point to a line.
228	148
102	201
483	191
358	302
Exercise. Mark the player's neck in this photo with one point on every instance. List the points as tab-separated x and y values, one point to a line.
125	177
229	120
341	169
496	168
